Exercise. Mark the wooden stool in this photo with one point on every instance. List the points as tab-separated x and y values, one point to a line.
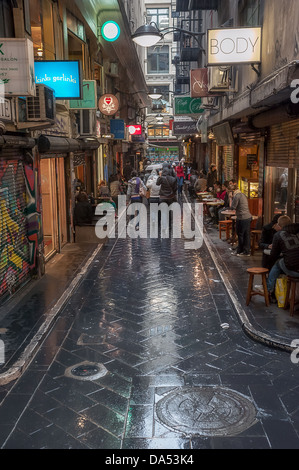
225	226
291	294
250	292
255	235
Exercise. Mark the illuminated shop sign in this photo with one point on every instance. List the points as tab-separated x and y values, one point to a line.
234	46
64	76
135	129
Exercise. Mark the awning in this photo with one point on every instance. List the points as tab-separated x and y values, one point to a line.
50	144
15	141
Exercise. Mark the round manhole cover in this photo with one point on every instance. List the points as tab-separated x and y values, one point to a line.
86	371
206	411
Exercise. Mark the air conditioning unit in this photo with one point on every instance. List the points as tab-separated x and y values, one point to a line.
86	121
41	107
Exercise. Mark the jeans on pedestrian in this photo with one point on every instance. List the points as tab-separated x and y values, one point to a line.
180	181
243	232
278	269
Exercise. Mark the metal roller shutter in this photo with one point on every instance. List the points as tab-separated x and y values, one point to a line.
14	246
282	145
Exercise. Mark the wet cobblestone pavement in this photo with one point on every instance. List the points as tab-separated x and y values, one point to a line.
151	315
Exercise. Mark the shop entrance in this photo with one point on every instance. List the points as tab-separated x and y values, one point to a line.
53	205
281	191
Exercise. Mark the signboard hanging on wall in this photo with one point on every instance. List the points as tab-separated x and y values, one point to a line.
199	81
89	100
64	76
108	105
17	67
234	46
187	105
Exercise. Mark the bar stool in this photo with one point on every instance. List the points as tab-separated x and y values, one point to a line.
291	294
225	226
250	292
255	235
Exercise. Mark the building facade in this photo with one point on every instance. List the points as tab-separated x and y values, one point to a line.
249	127
55	140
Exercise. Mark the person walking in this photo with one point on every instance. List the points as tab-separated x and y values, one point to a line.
244	218
180	177
168	190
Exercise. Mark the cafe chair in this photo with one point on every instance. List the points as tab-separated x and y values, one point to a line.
225	226
250	291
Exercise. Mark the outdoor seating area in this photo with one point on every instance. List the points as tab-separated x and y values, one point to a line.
257	275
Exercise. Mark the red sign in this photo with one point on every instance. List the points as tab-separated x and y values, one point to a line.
199	83
135	129
108	105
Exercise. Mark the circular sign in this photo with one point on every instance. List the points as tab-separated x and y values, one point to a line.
110	31
108	105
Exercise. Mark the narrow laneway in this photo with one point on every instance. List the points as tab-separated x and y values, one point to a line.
149	317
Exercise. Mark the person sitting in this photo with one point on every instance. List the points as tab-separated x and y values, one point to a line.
227	201
200	184
83	212
220	195
265	243
284	253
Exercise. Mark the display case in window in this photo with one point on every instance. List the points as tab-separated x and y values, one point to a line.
250	188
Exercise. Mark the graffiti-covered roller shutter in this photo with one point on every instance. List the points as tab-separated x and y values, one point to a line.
228	160
14	247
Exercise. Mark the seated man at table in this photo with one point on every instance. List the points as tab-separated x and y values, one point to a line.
265	243
284	253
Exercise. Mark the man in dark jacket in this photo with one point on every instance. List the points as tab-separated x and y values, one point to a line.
212	177
266	240
168	185
284	252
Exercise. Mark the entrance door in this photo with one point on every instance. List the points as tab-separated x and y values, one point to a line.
53	204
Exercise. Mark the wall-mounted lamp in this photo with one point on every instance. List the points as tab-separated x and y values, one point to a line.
149	35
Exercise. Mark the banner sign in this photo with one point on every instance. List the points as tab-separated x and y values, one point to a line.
184	128
199	80
187	105
234	46
117	128
135	129
89	100
64	76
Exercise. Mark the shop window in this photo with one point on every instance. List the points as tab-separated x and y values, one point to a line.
158	59
76	26
250	13
6	19
42	31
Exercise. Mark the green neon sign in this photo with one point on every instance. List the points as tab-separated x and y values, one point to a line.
110	31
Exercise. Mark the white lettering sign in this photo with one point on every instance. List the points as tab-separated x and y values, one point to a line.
234	46
5	110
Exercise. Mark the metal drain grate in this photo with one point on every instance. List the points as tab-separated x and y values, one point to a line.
206	411
86	371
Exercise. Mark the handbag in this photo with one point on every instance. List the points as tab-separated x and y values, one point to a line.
281	290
